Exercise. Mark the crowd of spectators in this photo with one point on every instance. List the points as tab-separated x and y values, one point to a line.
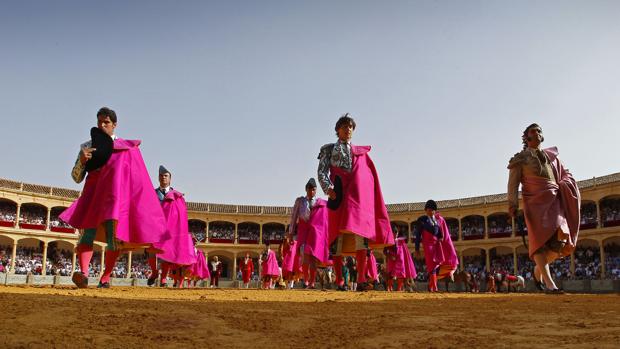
273	233
222	232
33	215
453	227
55	221
198	230
248	233
7	211
500	225
471	228
588	215
610	211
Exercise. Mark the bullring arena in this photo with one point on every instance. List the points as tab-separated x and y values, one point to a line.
41	308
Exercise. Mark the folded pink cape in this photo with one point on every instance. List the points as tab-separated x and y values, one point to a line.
362	210
270	265
313	234
548	206
179	248
439	252
200	269
121	190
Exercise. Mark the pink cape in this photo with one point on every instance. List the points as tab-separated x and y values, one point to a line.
439	252
290	258
371	267
313	234
270	266
179	249
200	269
403	265
362	210
121	190
548	206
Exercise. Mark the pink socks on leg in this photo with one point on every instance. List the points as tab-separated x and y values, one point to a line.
110	261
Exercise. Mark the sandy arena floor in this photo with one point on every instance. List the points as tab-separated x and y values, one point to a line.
46	317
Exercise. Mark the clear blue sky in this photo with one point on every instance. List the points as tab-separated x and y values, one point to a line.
236	98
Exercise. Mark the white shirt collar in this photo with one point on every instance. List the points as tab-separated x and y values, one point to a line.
166	189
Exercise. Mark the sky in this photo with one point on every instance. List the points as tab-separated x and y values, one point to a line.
236	98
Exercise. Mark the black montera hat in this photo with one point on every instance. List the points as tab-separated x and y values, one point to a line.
431	204
104	144
311	183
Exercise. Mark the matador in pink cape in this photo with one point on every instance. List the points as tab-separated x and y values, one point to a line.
270	270
117	205
551	204
439	252
178	251
357	216
308	232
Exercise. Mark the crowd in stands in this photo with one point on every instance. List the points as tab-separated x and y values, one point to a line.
588	214
612	261
198	230
248	233
7	211
610	211
500	225
55	221
222	232
472	229
453	227
33	215
273	233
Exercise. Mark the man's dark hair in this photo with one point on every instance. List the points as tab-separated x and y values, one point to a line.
346	119
524	136
105	111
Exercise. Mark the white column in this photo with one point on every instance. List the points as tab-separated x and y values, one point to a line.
129	257
44	261
17	214
13	256
234	275
486	227
47	221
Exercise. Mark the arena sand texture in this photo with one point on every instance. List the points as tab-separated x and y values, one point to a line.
136	317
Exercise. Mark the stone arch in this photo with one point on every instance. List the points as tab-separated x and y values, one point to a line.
221	231
474	259
8	211
227	259
588	215
472	227
57	224
198	229
502	259
33	216
273	232
610	211
248	232
453	227
500	225
611	246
